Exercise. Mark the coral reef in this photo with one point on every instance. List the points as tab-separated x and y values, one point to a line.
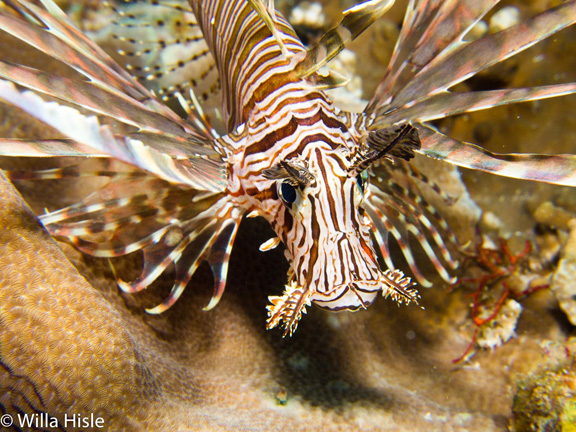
563	282
71	343
546	402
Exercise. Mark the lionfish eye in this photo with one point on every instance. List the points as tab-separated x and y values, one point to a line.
362	181
287	193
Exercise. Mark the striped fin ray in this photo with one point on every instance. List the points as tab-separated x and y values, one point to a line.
446	103
555	169
63	41
356	19
171	225
93	167
470	58
110	92
396	208
213	244
429	29
164	49
89	132
86	95
416	86
46	148
121	198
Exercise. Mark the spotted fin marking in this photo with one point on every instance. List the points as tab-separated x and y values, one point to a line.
174	212
115	92
164	49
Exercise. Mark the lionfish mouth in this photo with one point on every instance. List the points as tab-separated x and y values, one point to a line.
351	295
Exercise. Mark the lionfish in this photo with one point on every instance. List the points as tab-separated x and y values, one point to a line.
287	152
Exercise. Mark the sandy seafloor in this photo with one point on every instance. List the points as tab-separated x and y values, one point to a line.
71	343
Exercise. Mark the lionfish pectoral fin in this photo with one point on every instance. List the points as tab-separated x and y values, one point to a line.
186	260
127	287
219	257
447	103
356	19
88	131
555	169
480	54
399	212
157	258
89	96
210	240
429	30
288	308
399	287
46	148
61	39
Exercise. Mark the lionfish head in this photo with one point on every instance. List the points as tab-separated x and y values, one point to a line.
321	221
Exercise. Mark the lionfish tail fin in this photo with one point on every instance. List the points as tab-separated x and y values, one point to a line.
288	308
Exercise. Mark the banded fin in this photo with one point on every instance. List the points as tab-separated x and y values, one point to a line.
214	244
447	103
429	29
171	225
427	62
219	257
86	95
356	19
555	169
473	57
46	148
62	40
396	208
89	132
